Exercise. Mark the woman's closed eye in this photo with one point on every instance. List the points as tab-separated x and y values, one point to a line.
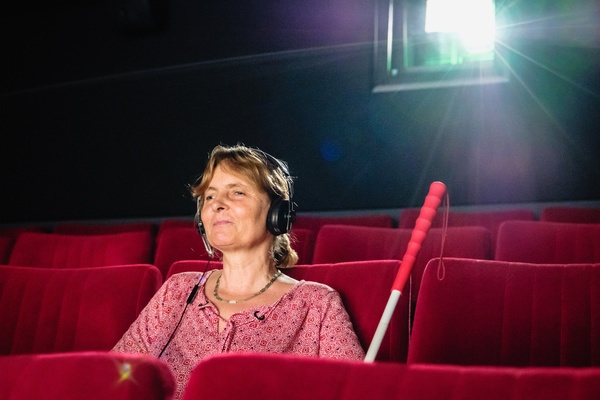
235	193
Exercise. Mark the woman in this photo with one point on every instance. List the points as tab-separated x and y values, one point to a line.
244	211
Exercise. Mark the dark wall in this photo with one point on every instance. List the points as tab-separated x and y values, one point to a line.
105	120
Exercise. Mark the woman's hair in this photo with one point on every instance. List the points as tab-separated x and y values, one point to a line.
255	166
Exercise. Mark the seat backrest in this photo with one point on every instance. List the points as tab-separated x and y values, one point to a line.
75	228
303	241
176	243
275	377
579	215
488	219
315	222
460	241
54	250
89	375
548	242
46	310
341	243
487	312
176	223
364	287
6	244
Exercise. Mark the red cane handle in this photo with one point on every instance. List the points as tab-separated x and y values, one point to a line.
432	201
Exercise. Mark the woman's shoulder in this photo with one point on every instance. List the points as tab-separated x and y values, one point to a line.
314	295
318	288
185	279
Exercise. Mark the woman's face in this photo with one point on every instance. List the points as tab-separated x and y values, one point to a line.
234	212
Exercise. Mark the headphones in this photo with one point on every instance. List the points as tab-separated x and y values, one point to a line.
281	214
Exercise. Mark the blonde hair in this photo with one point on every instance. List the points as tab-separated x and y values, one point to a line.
254	165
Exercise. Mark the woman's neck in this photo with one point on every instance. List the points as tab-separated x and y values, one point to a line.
244	273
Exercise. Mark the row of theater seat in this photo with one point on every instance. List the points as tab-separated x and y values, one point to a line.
105	376
162	243
315	240
80	309
469	312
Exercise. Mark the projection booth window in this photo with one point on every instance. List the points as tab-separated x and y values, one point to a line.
424	44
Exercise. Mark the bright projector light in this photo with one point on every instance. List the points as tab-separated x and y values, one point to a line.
472	20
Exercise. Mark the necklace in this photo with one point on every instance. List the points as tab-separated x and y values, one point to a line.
268	285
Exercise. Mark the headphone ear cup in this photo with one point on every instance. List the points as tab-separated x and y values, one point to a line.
280	217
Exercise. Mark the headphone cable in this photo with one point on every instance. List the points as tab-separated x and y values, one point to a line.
189	301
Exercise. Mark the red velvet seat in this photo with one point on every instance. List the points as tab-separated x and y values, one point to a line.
84	375
315	222
6	244
54	250
45	310
342	243
482	312
75	228
303	241
579	215
488	219
548	242
176	243
364	287
176	223
274	377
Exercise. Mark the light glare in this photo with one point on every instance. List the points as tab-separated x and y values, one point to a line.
472	20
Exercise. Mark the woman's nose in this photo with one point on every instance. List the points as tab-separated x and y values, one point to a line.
218	203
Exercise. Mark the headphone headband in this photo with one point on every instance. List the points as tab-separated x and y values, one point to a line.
275	162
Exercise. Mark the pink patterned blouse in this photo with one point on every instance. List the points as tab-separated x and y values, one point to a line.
310	319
